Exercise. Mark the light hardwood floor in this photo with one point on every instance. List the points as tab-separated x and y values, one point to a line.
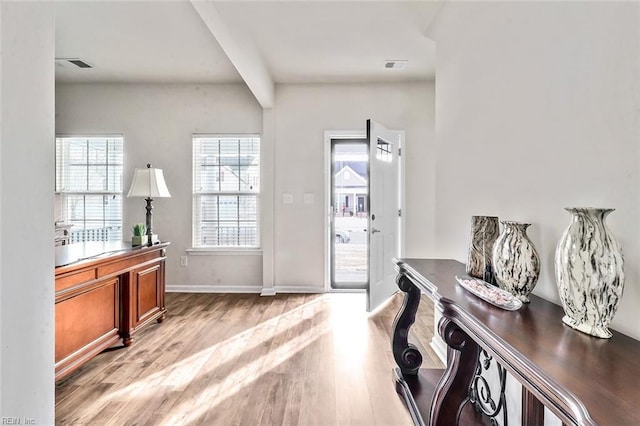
228	359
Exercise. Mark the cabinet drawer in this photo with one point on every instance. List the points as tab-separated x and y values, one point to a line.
125	264
64	282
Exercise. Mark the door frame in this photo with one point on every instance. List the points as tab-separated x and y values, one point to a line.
328	238
346	286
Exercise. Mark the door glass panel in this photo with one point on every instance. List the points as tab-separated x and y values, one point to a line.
350	214
383	151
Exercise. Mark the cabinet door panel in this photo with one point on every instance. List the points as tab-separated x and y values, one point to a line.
86	317
148	293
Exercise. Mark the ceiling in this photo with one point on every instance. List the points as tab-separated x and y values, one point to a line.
138	41
296	41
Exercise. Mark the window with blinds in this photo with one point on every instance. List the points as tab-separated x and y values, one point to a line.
226	191
89	186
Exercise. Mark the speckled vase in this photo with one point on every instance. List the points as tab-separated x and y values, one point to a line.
589	272
516	263
484	232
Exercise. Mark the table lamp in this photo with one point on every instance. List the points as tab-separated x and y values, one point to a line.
148	183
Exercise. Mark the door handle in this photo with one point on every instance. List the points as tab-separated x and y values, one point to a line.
374	230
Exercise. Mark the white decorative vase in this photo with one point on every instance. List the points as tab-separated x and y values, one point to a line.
516	264
589	272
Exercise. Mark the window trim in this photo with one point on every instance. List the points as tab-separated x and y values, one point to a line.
64	193
199	250
224	251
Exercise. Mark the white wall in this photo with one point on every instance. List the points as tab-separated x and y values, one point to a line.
158	121
537	109
26	212
303	114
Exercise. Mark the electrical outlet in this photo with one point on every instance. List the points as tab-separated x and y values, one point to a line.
184	261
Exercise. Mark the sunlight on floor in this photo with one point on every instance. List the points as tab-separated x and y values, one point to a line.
307	351
182	373
215	393
249	360
350	328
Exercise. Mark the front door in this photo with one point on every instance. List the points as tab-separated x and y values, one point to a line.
384	211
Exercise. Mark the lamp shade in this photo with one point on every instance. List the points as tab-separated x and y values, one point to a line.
148	183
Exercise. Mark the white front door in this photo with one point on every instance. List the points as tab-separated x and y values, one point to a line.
384	220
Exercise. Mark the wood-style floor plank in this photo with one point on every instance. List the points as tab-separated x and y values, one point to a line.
243	359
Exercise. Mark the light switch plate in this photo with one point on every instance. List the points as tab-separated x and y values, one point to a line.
287	198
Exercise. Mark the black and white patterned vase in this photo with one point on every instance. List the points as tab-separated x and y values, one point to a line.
516	263
484	232
589	272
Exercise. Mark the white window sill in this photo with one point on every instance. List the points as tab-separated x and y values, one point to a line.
214	251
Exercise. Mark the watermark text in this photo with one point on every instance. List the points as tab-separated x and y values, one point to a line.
17	421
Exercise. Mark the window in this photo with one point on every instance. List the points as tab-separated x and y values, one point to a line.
89	186
226	191
383	151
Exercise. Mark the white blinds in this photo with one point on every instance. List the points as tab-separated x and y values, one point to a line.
226	189
89	186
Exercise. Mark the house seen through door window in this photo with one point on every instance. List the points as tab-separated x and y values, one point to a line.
350	198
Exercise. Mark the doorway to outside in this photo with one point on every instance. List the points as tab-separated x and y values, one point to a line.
349	213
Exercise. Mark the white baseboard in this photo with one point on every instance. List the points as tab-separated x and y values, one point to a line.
440	348
347	290
242	289
298	289
214	289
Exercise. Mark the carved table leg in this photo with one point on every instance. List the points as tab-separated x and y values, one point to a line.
452	392
406	355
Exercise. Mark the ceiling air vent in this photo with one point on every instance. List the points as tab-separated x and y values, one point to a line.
395	64
79	63
75	61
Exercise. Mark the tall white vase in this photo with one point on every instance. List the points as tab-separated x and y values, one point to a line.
516	263
589	272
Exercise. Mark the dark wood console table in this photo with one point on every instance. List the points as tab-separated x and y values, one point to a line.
104	292
579	379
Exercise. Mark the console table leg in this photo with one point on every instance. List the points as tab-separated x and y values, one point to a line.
452	393
406	355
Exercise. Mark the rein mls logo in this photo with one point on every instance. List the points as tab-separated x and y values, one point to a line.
17	421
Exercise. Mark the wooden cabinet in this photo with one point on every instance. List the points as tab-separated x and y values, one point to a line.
87	321
104	292
143	299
